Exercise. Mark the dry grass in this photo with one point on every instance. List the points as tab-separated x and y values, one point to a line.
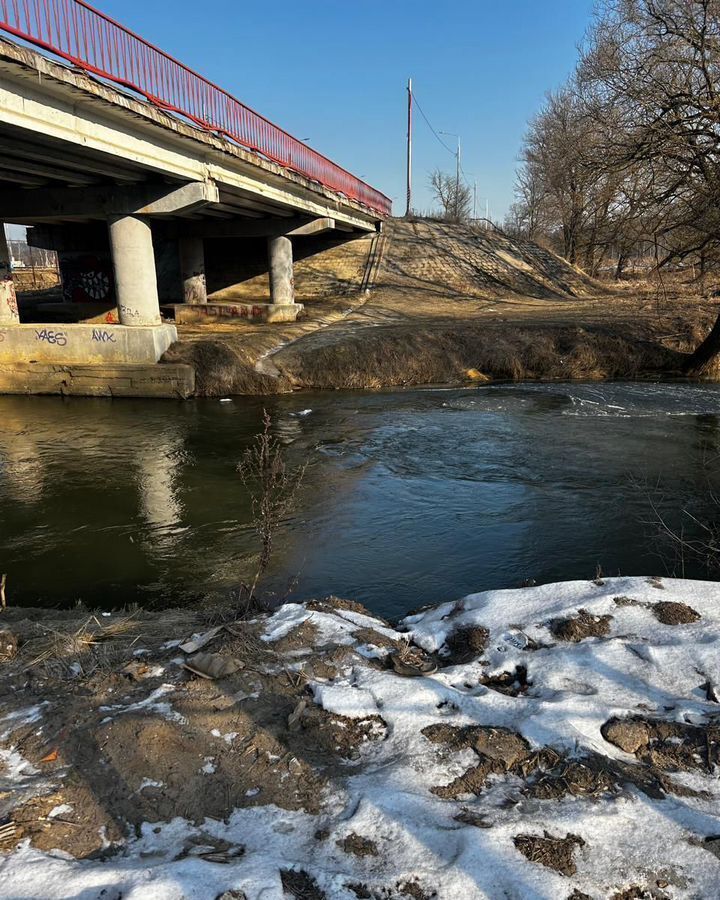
93	641
443	354
221	370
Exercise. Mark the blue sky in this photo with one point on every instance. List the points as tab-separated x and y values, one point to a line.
335	71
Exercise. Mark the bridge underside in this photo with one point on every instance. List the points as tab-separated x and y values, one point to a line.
130	196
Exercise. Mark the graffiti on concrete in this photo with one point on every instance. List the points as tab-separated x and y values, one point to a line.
87	277
101	336
49	336
95	284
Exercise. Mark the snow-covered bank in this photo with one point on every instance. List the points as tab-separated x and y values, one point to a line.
567	746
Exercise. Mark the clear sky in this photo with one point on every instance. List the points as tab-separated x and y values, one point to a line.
334	71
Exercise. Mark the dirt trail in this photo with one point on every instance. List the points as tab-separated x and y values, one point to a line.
449	301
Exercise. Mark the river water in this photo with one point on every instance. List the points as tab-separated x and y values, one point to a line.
410	497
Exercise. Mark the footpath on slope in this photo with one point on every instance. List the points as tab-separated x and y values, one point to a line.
450	304
564	744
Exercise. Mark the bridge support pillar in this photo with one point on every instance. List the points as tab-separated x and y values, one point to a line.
192	270
282	282
135	277
8	301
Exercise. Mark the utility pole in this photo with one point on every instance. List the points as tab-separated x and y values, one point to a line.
457	182
409	148
474	200
457	173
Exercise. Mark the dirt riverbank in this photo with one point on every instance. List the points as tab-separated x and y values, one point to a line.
451	305
562	743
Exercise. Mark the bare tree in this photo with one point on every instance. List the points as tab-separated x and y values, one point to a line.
650	78
453	196
627	153
528	214
273	487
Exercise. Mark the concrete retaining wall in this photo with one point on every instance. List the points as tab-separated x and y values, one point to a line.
84	344
167	381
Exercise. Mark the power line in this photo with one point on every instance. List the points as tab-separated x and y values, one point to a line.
427	121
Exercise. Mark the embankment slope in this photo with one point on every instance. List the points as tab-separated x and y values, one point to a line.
449	300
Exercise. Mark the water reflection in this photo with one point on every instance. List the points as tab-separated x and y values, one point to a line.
411	497
158	472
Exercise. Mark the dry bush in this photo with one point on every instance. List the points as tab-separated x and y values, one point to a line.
273	487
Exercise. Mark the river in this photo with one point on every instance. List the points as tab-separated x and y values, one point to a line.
410	497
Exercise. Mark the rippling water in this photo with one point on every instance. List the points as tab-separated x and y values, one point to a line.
411	497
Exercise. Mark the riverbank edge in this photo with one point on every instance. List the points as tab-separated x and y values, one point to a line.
312	761
448	353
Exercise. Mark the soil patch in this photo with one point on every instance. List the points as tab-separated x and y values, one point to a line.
407	890
511	683
339	736
301	886
465	644
583	625
666	745
501	744
553	852
670	613
332	603
151	741
358	845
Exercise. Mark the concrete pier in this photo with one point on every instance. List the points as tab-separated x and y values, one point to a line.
134	265
282	282
8	301
192	270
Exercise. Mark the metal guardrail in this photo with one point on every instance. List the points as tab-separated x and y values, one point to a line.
86	37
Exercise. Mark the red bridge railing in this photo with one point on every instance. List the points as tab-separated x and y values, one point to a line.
86	37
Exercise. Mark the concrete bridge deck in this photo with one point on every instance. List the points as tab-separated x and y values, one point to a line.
130	190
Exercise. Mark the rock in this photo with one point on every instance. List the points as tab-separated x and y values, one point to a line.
500	744
8	645
477	375
626	734
213	665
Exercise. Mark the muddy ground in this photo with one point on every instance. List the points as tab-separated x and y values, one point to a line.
103	728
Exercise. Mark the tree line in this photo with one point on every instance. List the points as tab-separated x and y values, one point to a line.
627	152
625	157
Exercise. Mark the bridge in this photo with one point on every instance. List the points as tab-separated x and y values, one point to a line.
116	151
